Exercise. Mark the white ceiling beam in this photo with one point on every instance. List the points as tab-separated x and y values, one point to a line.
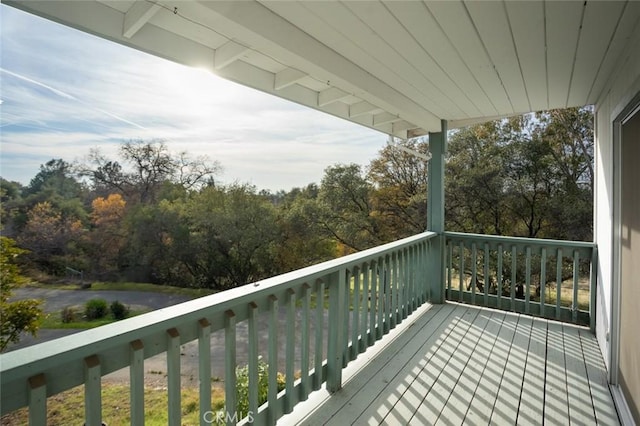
228	53
384	118
331	95
287	77
362	108
402	126
138	15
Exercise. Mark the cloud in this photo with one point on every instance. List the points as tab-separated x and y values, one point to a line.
65	92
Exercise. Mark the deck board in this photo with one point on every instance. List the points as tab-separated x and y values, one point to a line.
532	395
505	409
456	364
556	406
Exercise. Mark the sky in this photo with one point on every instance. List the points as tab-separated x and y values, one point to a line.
64	92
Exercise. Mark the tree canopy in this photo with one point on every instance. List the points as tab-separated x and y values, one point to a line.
154	215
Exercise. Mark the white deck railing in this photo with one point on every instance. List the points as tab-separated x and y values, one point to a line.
548	278
359	297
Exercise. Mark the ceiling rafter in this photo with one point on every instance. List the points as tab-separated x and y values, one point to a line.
330	95
362	108
137	16
228	53
287	77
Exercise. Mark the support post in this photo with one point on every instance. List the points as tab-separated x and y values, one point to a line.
435	211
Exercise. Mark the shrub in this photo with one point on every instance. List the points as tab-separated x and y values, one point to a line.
95	309
242	387
118	310
68	315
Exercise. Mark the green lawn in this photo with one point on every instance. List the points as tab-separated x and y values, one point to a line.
67	408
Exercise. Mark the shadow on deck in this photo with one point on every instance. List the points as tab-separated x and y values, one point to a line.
455	364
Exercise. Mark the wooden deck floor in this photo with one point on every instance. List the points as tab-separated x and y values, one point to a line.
456	364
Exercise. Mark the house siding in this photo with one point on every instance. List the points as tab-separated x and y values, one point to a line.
622	88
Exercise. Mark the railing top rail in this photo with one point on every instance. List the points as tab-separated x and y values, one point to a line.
153	324
520	240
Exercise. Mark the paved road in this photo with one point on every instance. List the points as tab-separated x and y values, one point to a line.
155	367
57	300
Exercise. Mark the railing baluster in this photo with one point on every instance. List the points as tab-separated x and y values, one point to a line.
474	272
486	274
346	290
337	284
402	288
394	306
558	282
449	269
387	293
92	391
374	318
173	376
355	312
543	280
272	392
254	374
318	378
461	270
408	283
136	380
230	398
514	276
382	297
204	367
527	277
305	389
576	278
37	400
499	276
366	307
290	354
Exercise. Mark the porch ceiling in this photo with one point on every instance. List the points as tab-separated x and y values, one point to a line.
395	66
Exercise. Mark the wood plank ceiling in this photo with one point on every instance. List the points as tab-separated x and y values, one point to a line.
399	67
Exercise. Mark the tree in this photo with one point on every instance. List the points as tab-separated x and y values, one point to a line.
525	176
56	176
474	182
232	237
147	166
50	237
344	209
18	316
108	235
304	241
400	195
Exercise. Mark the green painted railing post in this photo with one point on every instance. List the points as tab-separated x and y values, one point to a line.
337	286
92	391
173	377
136	380
37	400
435	211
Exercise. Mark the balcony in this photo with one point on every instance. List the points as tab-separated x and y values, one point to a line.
389	350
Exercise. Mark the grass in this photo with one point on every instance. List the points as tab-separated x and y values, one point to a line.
67	408
129	286
53	320
566	294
